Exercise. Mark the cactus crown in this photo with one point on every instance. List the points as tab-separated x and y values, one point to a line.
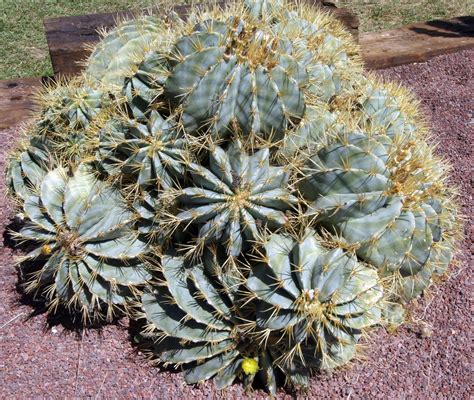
237	184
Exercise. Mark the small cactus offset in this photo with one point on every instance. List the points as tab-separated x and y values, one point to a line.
239	186
70	105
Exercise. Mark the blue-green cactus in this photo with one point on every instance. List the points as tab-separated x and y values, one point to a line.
374	196
149	155
235	197
191	321
316	301
81	227
238	182
27	167
121	50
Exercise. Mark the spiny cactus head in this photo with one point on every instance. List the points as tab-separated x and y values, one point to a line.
235	196
377	192
142	155
121	51
66	119
68	104
92	262
389	109
313	303
393	315
190	321
236	71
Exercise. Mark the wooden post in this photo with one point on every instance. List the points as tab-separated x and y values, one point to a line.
416	42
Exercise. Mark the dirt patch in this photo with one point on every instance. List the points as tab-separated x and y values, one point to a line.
420	361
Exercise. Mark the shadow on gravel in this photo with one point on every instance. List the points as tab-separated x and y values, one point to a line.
71	322
8	240
143	347
459	27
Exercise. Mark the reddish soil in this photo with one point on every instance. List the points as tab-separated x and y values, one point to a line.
45	358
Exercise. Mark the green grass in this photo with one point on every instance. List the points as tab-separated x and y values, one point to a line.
23	50
376	15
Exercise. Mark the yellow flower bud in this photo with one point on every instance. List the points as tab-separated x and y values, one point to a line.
250	366
46	250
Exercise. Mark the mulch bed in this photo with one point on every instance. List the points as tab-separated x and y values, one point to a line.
52	358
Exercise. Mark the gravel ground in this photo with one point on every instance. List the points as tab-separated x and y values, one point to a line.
44	358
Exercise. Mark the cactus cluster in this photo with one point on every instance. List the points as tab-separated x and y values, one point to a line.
238	185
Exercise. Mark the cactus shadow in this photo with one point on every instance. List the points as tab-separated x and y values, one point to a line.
71	322
142	352
8	239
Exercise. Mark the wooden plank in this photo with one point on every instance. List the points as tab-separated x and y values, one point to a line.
416	42
68	36
16	100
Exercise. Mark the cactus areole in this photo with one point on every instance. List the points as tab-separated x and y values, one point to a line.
238	185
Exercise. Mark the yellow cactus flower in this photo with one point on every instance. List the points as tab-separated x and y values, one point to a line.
46	250
250	366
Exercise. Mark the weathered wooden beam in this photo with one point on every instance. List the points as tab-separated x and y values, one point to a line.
68	37
16	100
416	42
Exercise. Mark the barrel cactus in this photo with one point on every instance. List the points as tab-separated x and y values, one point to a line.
377	195
80	227
69	105
68	111
311	306
236	197
120	52
316	301
198	328
143	154
254	75
239	186
58	134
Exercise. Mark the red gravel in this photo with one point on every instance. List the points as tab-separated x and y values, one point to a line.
39	361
